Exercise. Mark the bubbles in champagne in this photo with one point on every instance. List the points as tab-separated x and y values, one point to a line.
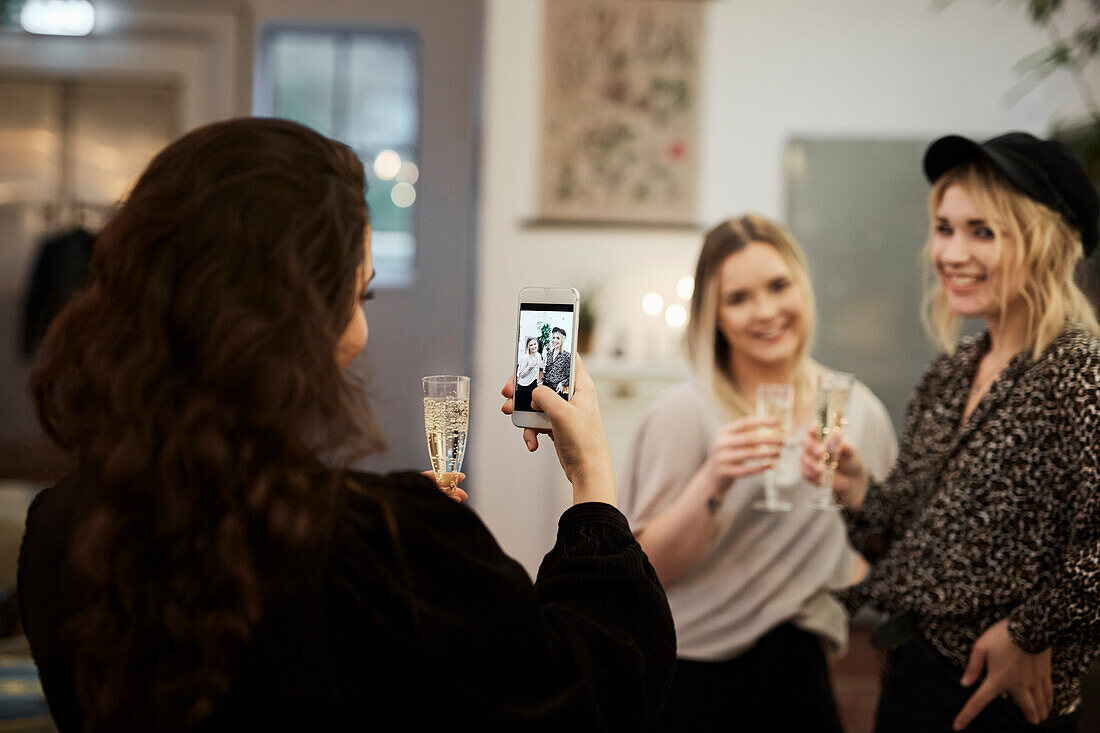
776	401
832	403
777	410
446	422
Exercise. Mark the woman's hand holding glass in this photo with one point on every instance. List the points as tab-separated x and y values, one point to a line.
743	447
456	492
446	424
850	481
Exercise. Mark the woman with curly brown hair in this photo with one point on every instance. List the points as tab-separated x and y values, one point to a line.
204	569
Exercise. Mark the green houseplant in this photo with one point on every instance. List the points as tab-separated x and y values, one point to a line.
1076	53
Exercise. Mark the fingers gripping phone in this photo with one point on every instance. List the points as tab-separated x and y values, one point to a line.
546	334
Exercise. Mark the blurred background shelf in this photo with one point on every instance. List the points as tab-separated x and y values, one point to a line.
626	388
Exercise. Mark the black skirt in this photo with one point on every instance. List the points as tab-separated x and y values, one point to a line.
921	694
780	684
523	397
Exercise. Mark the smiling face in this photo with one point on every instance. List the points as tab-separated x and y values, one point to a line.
532	346
761	308
555	341
968	261
355	334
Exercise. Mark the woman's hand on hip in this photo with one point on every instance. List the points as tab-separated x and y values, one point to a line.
850	481
1008	668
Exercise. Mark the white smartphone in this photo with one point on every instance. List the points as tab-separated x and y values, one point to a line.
546	334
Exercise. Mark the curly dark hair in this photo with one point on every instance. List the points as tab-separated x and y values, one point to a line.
195	378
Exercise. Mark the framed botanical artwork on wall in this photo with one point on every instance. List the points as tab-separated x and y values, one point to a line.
620	111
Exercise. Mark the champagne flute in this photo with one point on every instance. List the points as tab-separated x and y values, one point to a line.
446	422
775	401
834	392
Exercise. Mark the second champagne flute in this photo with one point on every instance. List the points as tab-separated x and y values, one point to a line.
834	392
775	401
446	422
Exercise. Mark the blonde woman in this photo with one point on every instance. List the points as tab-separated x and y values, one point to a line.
984	538
558	360
748	590
529	370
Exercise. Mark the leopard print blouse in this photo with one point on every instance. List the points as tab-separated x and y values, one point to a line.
998	516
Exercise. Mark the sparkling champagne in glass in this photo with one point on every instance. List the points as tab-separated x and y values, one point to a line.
446	421
834	393
775	401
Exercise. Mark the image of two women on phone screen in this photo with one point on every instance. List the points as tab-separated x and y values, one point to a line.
539	364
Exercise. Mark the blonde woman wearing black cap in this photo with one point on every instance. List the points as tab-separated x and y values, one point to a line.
983	539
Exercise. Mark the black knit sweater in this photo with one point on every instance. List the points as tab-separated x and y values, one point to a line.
429	626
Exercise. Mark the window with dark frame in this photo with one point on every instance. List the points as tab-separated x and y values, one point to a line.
361	87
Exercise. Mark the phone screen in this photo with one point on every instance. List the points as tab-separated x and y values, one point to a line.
544	353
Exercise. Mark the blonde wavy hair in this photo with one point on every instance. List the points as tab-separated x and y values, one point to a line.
707	349
1038	252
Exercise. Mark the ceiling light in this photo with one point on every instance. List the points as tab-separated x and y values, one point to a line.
58	17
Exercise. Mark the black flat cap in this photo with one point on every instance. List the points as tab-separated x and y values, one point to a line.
1044	170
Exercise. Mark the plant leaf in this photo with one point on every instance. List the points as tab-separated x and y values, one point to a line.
1021	88
1088	39
1033	60
1044	61
1042	10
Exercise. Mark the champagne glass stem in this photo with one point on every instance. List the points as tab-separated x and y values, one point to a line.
774	401
828	481
771	502
771	493
826	497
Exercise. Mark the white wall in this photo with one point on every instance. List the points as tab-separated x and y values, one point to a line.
772	70
874	68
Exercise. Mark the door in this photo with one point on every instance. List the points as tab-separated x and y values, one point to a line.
79	119
68	149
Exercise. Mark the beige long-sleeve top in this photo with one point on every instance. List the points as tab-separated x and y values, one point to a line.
760	569
528	371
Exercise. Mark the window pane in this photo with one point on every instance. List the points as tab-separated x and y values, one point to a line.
384	127
858	208
303	67
362	88
383	92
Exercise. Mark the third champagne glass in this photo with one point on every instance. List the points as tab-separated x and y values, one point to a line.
834	392
446	422
774	401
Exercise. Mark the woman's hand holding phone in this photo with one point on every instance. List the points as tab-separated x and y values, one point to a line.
577	433
546	327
